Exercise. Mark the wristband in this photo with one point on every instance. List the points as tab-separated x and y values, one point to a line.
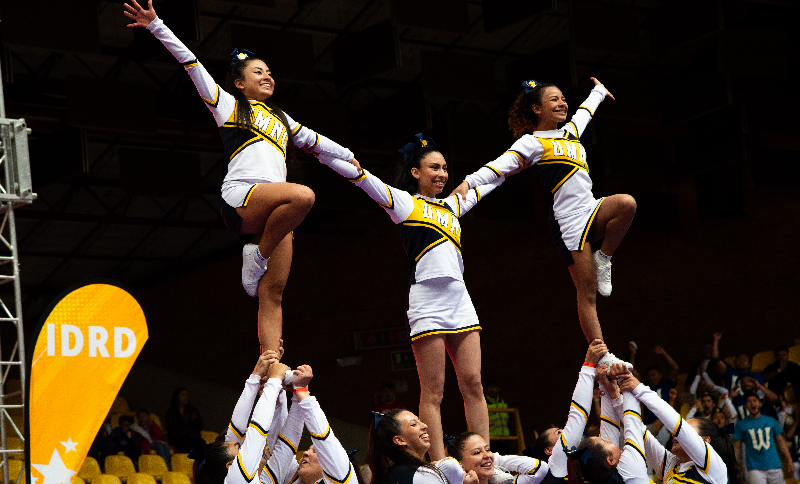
590	365
300	389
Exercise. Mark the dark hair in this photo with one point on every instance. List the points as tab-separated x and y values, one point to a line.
596	469
243	115
653	367
521	118
125	418
780	348
752	394
707	394
539	446
455	448
723	446
214	467
351	457
405	181
742	353
383	450
175	402
143	410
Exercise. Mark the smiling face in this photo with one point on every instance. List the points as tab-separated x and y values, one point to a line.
431	175
414	437
309	469
257	83
753	405
477	457
552	110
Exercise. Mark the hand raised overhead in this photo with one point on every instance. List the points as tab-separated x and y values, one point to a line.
140	16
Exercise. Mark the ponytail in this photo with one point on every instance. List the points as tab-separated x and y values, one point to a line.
383	451
589	463
723	446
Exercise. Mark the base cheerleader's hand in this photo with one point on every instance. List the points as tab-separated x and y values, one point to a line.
596	349
303	376
471	477
356	164
462	190
140	16
598	83
629	383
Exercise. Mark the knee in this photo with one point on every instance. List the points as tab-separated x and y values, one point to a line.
472	387
587	293
304	197
433	394
628	204
272	291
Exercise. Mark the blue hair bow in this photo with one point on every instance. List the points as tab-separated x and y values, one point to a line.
351	452
377	416
240	54
448	439
529	85
418	142
583	454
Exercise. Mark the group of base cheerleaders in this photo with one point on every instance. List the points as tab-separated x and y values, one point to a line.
262	209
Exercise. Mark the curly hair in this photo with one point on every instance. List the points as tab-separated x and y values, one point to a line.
521	118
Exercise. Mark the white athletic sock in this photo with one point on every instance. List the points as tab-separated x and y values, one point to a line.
259	259
605	257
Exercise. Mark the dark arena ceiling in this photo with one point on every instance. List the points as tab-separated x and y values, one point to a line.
127	162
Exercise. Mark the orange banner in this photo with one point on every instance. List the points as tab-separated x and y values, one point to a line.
83	353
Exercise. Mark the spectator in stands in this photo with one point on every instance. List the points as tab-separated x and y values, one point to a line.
704	407
125	438
749	385
498	421
793	437
782	372
183	423
103	444
660	385
388	400
710	350
764	441
151	435
721	420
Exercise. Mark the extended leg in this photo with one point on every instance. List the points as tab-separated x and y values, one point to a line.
430	353
465	353
270	295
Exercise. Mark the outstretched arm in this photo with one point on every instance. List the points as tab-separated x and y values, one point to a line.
218	101
633	464
528	469
611	406
577	125
397	203
241	412
523	153
463	203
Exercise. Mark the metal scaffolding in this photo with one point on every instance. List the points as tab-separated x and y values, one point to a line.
15	190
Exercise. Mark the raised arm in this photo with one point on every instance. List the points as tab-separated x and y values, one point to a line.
218	101
282	463
523	153
577	125
611	406
241	412
528	469
578	411
460	205
397	203
250	453
674	368
332	457
310	141
633	463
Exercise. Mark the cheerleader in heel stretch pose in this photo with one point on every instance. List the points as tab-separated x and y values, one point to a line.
257	204
576	218
441	317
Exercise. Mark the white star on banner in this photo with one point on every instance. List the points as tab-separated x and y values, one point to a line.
55	472
69	446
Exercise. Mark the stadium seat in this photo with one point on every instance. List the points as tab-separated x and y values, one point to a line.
794	354
119	465
680	385
685	409
175	478
731	360
154	418
115	418
141	478
120	405
182	463
152	464
14	469
77	480
15	443
89	470
761	360
209	436
106	479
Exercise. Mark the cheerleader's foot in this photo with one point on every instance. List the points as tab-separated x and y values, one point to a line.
252	271
602	264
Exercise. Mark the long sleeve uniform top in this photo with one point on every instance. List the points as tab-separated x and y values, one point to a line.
705	466
528	469
572	434
451	473
429	227
246	465
258	155
632	466
558	159
281	464
336	466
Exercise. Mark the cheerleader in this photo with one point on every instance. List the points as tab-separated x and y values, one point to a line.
473	454
597	460
577	219
701	453
256	204
398	442
239	458
441	316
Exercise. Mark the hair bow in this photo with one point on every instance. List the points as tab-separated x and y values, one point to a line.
240	54
448	439
529	85
417	142
377	416
583	454
350	453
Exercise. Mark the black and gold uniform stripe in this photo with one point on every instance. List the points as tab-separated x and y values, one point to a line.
423	230
264	122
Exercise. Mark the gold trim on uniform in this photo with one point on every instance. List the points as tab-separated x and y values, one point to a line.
359	177
323	435
608	420
190	64
431	246
346	478
493	169
259	429
419	223
287	442
216	98
390	205
590	111
445	331
247	476
564	179
236	432
633	444
247	198
519	155
632	412
296	129
580	409
589	225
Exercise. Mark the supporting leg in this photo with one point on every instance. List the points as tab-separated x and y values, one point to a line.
430	353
